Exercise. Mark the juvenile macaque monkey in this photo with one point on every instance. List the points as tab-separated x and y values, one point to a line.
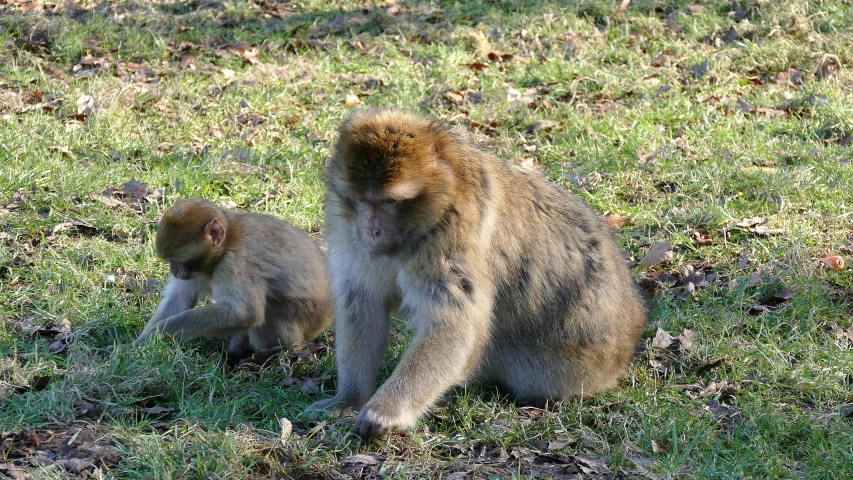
505	276
268	279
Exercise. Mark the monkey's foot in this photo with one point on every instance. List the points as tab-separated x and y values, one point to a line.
371	423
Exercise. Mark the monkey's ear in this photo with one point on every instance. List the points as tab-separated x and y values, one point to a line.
215	231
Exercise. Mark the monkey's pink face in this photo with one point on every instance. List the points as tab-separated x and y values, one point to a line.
380	224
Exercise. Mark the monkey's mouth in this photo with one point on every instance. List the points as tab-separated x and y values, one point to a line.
184	275
381	248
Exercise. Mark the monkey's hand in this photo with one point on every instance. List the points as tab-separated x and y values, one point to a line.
162	326
146	334
328	407
376	421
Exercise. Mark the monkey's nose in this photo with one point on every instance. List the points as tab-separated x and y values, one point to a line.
376	233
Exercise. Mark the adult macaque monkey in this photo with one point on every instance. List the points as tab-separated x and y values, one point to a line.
506	277
267	278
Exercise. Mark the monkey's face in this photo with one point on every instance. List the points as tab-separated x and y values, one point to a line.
181	270
189	242
390	179
381	224
186	264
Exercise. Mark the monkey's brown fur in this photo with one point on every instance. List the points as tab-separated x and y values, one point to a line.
267	278
506	277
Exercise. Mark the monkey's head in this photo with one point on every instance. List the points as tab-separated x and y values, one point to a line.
191	237
389	174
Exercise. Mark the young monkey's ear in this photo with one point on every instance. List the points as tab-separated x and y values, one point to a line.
215	231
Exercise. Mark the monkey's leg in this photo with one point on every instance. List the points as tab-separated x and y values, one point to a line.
442	354
239	346
361	339
178	296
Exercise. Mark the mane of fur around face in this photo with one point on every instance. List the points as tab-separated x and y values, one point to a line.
379	148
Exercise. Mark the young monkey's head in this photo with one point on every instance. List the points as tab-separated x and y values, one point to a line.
191	237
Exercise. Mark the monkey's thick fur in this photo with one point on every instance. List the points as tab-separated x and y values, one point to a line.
268	279
506	277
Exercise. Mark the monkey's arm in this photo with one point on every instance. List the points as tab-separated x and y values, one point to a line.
240	305
361	338
178	296
450	338
212	320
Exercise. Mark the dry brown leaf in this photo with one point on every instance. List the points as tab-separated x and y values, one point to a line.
616	222
722	388
710	366
187	62
507	57
362	464
352	100
454	97
101	452
663	339
659	252
771	302
476	66
85	104
758	226
660	447
540	125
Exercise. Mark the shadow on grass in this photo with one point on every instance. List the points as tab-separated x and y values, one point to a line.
279	24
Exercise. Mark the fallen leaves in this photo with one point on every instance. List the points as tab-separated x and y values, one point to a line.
90	65
488	460
351	100
37	42
507	58
364	464
75	448
59	332
771	302
663	340
828	67
714	364
540	125
132	194
758	226
790	78
135	72
244	50
659	252
74	228
660	447
616	222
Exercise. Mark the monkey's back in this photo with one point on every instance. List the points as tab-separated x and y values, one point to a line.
566	305
294	270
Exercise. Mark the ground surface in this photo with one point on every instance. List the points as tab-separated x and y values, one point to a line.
716	137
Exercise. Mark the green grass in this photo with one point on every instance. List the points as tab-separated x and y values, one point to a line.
642	130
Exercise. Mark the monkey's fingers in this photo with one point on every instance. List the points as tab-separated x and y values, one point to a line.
372	424
328	407
121	347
